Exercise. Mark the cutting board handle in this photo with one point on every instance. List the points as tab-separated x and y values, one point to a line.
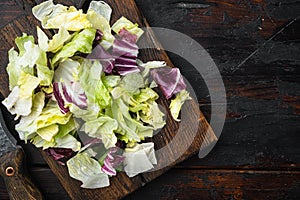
18	183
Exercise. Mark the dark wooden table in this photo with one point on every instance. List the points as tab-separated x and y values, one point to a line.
256	46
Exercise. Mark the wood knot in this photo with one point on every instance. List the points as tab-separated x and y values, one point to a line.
9	171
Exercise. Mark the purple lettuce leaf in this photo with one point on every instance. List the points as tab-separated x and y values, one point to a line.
126	35
58	94
111	161
106	59
125	51
169	80
61	155
69	93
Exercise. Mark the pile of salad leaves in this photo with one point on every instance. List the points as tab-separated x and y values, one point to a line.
83	95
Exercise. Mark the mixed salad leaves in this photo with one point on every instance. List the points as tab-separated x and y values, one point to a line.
85	97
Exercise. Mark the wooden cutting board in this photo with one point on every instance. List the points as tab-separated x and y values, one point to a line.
174	150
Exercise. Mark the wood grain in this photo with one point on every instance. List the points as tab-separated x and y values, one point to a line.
17	181
261	133
121	185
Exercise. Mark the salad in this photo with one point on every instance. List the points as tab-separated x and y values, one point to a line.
84	96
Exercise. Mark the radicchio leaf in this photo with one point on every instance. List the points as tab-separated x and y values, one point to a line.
69	93
125	51
169	80
106	59
58	94
123	33
61	155
111	161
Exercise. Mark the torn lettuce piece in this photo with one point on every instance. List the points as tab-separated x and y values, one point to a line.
153	116
87	170
100	22
176	104
103	128
111	81
30	58
139	159
101	8
57	41
169	80
150	65
107	60
19	101
68	141
51	115
81	42
27	126
125	53
69	93
67	71
22	61
123	22
90	78
130	129
55	16
112	160
47	133
132	82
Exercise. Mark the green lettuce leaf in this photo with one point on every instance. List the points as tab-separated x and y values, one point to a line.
30	56
90	78
56	16
103	128
57	41
58	136
19	100
100	22
27	126
81	42
123	22
87	170
140	158
176	104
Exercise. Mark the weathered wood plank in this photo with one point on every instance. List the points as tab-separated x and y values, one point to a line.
197	184
122	185
222	184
